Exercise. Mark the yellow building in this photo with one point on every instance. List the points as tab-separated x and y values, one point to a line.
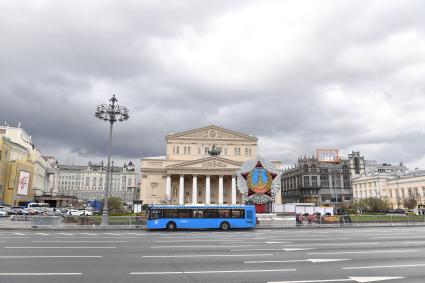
16	173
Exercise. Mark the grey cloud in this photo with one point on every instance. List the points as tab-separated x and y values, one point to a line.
60	59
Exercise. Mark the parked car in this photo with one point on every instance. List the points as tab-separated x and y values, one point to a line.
74	212
87	212
3	213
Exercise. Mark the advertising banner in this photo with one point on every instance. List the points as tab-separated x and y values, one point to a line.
24	179
328	155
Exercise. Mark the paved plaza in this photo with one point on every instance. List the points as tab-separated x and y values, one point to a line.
295	255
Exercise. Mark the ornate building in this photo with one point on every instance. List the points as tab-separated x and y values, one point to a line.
313	181
199	167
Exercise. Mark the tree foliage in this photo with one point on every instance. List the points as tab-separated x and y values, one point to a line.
114	204
410	203
373	204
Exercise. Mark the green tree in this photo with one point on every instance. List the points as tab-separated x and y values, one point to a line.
410	203
373	204
114	204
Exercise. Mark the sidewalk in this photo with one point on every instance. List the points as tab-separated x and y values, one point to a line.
7	224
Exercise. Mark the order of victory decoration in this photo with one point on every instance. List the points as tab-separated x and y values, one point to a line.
258	181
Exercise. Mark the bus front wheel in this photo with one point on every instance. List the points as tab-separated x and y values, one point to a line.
171	226
224	226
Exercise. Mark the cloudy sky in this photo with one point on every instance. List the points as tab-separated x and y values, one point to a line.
297	74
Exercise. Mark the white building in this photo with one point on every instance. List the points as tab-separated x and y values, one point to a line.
396	188
88	182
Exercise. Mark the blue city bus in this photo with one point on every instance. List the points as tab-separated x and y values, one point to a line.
224	217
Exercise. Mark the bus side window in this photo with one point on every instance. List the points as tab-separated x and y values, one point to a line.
198	214
183	213
156	214
237	213
170	213
224	213
211	213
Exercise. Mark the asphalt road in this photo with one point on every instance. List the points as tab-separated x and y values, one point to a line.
292	255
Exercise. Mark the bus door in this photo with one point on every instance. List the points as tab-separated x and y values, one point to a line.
249	216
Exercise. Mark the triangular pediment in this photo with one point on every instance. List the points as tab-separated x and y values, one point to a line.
212	133
208	163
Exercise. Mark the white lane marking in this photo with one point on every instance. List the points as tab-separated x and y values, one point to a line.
20	234
14	237
276	242
281	249
49	256
79	241
364	252
43	234
37	274
212	271
296	249
59	247
414	242
207	247
138	234
90	234
309	239
252	250
65	234
355	279
211	255
383	266
203	241
113	234
341	244
94	237
399	237
313	260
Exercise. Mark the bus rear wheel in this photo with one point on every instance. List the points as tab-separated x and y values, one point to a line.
225	226
171	226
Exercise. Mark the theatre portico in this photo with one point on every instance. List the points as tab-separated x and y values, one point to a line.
198	168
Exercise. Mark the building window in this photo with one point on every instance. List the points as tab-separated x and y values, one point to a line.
177	149
246	151
184	150
239	151
356	165
306	181
87	181
188	150
174	150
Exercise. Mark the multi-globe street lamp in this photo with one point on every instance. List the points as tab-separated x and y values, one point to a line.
111	113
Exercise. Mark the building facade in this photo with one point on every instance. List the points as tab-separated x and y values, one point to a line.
391	186
313	181
199	167
88	182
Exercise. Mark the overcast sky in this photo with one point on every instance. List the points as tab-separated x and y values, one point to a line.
297	74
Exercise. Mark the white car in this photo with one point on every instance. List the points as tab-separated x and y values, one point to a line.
87	212
74	212
3	213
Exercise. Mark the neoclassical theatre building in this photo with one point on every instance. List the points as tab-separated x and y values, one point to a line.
199	167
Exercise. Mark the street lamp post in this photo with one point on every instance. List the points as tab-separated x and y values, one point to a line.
110	113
